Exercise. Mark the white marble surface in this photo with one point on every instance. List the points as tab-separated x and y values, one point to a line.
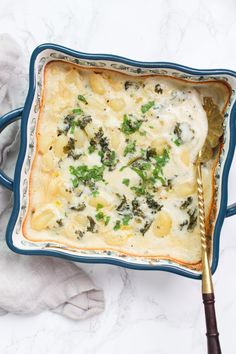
146	312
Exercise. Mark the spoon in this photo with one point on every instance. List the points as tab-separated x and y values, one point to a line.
215	119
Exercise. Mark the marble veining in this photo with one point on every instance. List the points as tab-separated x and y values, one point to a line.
146	312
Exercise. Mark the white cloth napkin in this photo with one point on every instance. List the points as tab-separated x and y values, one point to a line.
31	284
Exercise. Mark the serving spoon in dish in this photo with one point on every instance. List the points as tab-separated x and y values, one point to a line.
215	131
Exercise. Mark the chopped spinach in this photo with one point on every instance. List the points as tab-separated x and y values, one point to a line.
149	153
158	89
123	207
133	84
69	147
108	156
98	136
74	155
79	234
146	227
184	223
186	203
68	119
178	133
92	224
79	207
152	204
84	121
136	208
71	121
192	219
59	222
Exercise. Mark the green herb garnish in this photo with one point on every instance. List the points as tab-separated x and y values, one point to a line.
117	225
108	158
149	169
130	125
126	219
72	129
82	99
130	148
99	206
177	141
147	106
77	111
85	175
95	193
91	148
106	220
126	181
99	216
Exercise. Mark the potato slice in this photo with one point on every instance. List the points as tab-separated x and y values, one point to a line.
162	224
117	238
42	219
117	104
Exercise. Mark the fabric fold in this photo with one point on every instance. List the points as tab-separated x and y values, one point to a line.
32	284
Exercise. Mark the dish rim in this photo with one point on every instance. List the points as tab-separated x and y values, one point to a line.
223	210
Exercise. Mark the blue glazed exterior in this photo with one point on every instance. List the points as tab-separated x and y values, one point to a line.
4	122
224	211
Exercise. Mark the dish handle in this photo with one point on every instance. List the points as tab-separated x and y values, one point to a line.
231	210
5	120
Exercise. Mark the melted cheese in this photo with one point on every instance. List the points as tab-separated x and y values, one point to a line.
160	221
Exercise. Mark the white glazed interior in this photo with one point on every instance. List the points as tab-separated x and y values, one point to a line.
42	59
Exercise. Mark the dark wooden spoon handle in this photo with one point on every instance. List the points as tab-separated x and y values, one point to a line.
212	334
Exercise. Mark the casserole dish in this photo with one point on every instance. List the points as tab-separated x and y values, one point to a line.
46	53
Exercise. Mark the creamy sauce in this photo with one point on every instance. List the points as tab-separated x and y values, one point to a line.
115	164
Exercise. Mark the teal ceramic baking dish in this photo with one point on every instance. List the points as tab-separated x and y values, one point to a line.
28	115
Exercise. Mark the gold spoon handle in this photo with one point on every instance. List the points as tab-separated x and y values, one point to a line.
207	285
